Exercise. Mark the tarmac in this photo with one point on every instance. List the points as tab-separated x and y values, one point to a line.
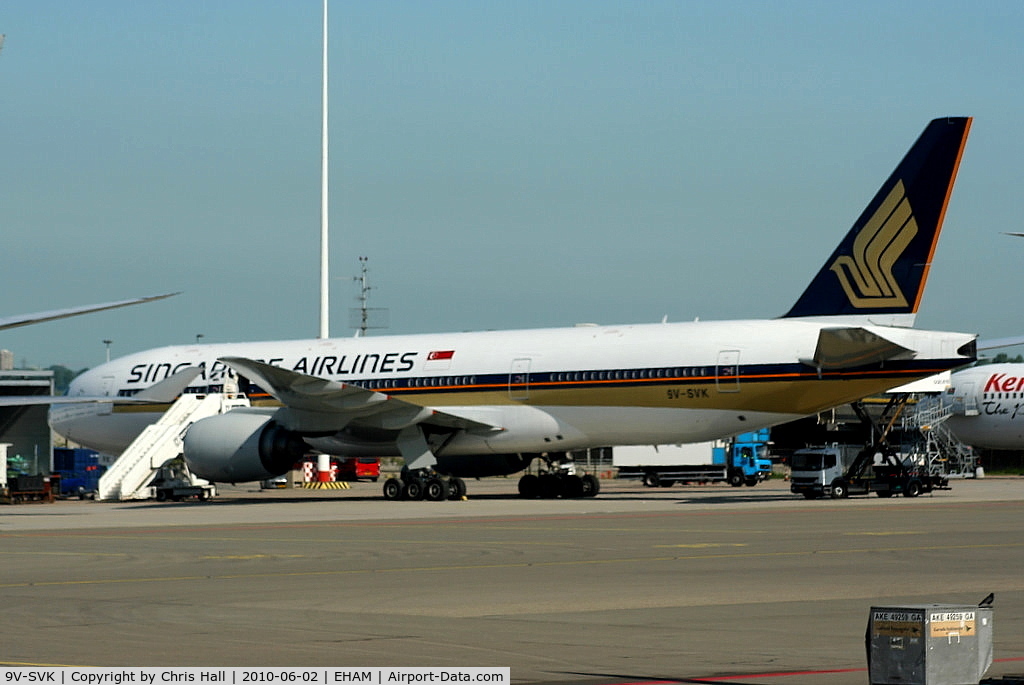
689	584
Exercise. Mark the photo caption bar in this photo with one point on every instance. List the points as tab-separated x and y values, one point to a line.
373	675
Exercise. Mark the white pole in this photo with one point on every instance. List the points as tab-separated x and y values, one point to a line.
3	463
324	270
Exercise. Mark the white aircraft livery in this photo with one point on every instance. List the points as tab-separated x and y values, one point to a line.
988	406
457	405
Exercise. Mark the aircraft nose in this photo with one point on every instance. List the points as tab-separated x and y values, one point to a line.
84	384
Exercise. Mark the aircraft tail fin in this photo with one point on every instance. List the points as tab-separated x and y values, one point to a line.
879	270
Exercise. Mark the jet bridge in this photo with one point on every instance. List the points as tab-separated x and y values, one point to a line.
132	475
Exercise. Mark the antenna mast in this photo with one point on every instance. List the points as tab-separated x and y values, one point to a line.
364	296
365	317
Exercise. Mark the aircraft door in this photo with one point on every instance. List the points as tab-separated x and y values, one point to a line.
969	395
727	373
519	379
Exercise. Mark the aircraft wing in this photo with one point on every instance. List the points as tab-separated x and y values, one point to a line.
163	392
316	405
39	317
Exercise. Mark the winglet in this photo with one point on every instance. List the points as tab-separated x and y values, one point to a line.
169	388
878	272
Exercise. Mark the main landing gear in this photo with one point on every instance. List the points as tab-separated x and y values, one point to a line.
559	480
423	484
552	485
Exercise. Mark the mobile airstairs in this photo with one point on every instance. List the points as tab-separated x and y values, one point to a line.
940	449
142	471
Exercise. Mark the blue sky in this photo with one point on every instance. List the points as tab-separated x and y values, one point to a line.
502	165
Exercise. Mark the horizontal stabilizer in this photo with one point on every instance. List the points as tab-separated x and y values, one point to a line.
845	348
316	405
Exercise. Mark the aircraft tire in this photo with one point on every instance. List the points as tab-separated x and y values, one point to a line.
456	488
435	490
529	486
550	486
591	485
572	487
392	489
413	490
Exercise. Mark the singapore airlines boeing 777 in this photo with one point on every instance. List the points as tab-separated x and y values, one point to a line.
456	405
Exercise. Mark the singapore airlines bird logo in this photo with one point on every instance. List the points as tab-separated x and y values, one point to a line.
866	275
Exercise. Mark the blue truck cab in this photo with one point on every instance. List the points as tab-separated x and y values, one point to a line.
745	458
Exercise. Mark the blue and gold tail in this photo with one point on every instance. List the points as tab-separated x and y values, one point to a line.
878	272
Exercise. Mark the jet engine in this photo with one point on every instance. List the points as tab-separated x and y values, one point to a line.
241	446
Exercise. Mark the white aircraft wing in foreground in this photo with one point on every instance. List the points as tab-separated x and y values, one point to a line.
53	315
164	392
40	317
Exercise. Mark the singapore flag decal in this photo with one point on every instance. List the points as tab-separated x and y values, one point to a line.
439	360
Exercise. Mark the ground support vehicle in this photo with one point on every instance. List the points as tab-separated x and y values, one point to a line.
79	470
175	484
27	489
741	460
274	483
358	468
838	471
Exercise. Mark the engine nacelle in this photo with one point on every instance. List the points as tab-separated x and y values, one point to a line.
240	446
483	465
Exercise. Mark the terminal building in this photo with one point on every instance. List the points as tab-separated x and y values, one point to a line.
25	428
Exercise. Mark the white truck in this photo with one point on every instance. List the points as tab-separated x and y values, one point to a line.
838	471
742	460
